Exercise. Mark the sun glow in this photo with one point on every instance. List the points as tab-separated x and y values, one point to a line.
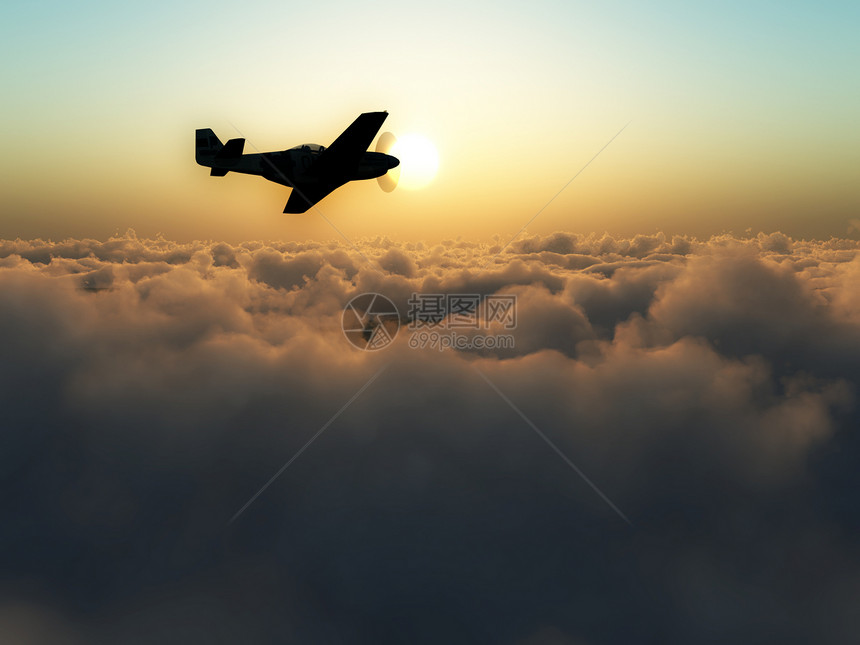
419	161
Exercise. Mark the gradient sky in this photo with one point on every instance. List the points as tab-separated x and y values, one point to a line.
742	115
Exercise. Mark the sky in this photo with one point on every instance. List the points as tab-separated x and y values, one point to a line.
741	115
656	441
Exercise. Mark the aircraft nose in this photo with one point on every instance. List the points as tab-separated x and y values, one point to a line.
393	162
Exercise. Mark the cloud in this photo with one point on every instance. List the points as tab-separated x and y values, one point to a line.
707	388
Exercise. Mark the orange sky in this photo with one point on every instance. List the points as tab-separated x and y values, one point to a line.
739	118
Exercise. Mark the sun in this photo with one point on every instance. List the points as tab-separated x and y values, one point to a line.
419	161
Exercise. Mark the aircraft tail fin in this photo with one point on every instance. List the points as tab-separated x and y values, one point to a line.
207	145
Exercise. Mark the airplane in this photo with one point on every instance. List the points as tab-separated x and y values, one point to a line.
312	171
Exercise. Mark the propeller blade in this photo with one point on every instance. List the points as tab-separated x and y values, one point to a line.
386	142
388	181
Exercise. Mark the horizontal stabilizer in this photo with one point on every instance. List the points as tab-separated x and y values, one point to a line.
218	172
232	150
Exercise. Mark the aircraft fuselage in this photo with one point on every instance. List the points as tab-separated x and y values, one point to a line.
287	167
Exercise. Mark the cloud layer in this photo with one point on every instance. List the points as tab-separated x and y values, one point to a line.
705	389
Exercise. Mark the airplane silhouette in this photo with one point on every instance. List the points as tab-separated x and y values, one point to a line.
311	170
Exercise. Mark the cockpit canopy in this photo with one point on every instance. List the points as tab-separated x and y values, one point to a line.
313	148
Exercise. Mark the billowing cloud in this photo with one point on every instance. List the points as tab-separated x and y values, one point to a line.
704	390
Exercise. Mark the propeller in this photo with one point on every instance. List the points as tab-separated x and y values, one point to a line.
388	181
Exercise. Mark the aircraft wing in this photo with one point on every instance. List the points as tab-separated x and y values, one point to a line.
340	160
305	195
337	164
